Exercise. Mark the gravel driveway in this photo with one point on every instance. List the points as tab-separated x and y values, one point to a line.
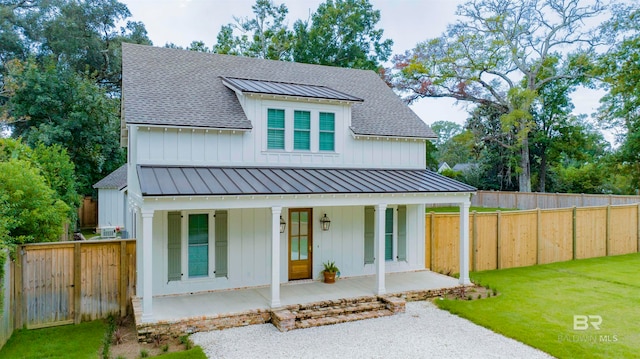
424	331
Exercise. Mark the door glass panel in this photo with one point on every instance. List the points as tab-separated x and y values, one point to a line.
295	224
294	249
304	248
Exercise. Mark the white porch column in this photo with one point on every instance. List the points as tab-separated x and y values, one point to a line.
275	256
379	248
147	265
464	243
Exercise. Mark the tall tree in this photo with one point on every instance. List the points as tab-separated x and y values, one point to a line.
482	56
619	69
52	104
342	33
265	35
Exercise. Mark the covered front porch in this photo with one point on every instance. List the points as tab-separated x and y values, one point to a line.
176	307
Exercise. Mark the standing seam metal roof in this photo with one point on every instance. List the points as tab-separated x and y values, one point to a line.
189	180
288	89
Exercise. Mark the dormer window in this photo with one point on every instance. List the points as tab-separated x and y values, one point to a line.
327	131
301	131
275	129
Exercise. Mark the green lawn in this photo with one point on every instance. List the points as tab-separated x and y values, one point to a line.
68	341
536	305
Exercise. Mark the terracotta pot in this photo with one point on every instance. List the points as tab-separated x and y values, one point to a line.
329	277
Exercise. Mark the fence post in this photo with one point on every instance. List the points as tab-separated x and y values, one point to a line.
123	278
18	288
498	241
538	225
574	234
77	283
474	243
608	229
432	235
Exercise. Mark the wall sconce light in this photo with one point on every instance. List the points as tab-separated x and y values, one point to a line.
326	222
283	225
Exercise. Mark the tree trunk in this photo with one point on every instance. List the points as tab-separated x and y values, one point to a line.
543	172
524	178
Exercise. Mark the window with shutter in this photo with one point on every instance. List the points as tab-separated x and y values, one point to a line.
369	234
275	129
327	131
198	245
174	255
388	234
221	243
302	130
402	233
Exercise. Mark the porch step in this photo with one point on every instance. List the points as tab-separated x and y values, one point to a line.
335	311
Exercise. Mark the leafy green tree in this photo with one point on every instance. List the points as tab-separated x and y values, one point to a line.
54	105
342	33
83	34
265	35
482	56
445	130
619	69
35	212
54	165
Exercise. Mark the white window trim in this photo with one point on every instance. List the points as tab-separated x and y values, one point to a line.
314	109
394	240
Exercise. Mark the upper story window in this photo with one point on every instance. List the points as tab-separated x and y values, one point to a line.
275	129
302	130
327	131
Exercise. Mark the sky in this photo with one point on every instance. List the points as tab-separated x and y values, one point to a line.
406	22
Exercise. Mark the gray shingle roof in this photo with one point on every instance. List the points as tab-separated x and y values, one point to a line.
204	181
163	86
288	89
116	179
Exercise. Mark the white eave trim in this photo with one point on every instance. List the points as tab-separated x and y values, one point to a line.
388	138
141	126
293	200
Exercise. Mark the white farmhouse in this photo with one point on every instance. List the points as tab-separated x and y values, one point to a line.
234	163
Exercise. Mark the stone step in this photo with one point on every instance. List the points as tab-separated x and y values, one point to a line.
338	310
342	318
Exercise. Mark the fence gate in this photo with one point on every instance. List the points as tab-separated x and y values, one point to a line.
47	283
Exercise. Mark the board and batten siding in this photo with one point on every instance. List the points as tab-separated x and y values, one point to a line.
111	208
249	244
210	147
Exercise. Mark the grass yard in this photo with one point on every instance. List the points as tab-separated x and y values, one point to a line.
81	341
536	305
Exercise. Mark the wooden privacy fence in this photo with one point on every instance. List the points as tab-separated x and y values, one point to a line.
68	282
533	200
522	238
88	213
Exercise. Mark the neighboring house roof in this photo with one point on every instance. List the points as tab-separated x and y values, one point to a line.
443	166
288	89
462	167
171	87
116	179
190	180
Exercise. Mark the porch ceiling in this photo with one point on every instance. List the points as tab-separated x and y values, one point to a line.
208	181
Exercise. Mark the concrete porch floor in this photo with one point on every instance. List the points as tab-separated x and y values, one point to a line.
206	304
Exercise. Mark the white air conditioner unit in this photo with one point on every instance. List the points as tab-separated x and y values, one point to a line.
108	232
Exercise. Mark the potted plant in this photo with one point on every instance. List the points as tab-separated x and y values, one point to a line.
330	270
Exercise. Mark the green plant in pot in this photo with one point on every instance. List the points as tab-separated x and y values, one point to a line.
330	270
